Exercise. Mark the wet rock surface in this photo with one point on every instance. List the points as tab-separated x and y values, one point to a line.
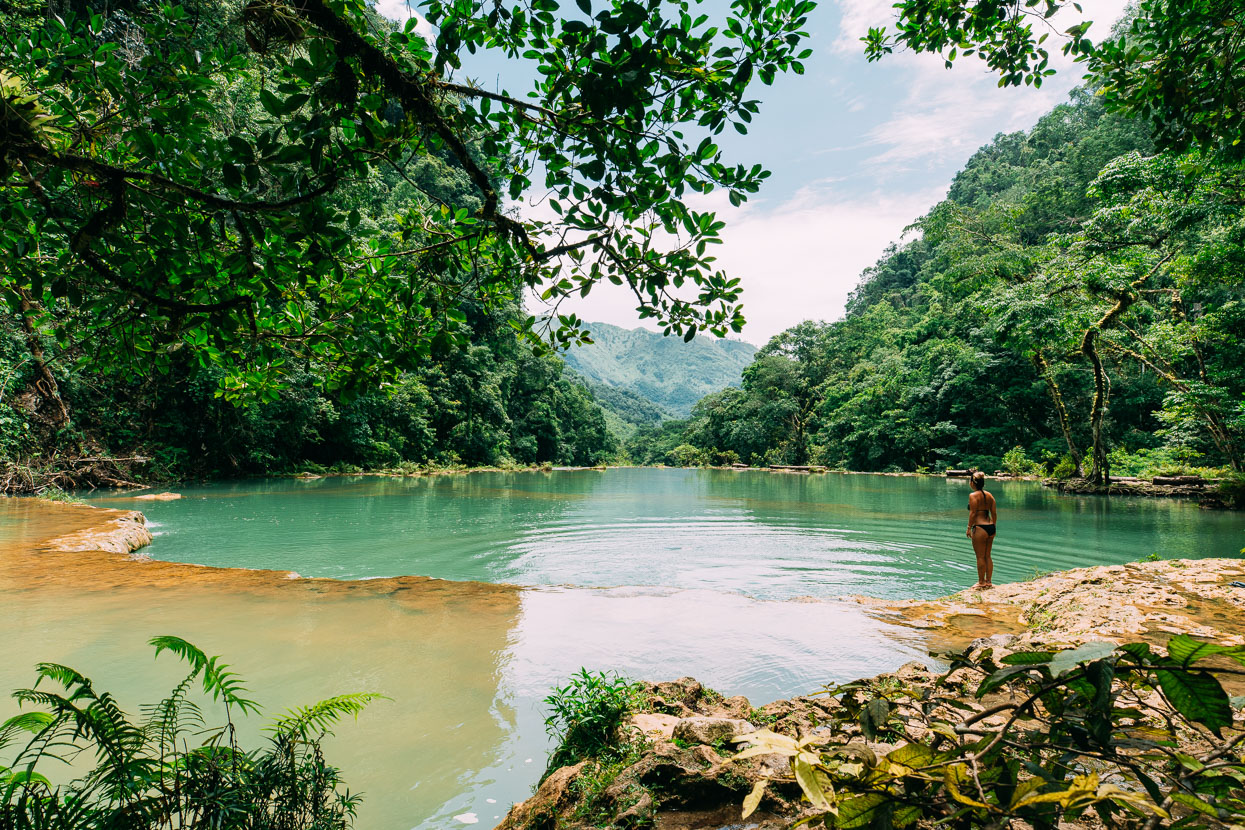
122	532
1137	600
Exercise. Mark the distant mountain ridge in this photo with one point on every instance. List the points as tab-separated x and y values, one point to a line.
667	371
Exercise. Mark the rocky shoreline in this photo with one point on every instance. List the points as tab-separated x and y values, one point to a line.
1207	493
675	768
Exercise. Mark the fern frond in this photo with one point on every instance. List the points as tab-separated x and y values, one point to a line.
318	717
32	722
218	681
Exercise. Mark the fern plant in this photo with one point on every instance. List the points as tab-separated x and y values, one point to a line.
169	769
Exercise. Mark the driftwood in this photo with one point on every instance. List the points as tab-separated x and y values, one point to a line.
1173	481
959	473
64	474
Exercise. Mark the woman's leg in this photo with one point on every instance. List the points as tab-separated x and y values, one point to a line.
981	547
989	560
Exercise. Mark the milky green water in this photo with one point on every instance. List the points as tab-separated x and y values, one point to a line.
769	536
654	573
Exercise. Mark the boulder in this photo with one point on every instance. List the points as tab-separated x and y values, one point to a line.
655	725
541	811
707	730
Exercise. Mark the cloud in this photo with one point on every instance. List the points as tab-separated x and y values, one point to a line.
948	113
797	260
400	10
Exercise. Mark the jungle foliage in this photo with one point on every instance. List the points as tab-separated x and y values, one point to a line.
195	175
303	205
1079	291
1133	736
586	716
1076	293
171	768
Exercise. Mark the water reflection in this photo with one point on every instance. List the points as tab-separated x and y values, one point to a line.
766	535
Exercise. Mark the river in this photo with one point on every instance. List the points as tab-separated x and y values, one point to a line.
727	576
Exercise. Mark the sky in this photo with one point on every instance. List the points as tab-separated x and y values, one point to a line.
858	151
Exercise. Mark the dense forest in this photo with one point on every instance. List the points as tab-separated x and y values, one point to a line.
256	237
1078	295
261	237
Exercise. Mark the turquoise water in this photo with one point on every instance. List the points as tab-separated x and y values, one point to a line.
653	573
768	536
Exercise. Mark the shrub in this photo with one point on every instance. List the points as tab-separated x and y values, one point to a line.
1016	463
685	455
171	769
586	714
1232	489
1065	469
1160	461
1101	735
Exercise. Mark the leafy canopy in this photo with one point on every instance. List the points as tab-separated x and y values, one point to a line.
187	175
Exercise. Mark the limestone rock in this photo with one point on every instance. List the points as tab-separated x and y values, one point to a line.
654	724
540	812
158	497
126	532
708	730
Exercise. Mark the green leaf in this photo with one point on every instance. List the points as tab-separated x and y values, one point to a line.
1198	696
1187	651
866	810
873	717
1028	658
912	755
1065	661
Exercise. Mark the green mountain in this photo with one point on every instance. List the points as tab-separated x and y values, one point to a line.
665	371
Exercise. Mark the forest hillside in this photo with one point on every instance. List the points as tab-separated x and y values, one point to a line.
1075	303
667	371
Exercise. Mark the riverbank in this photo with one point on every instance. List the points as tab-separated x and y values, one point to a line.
1209	494
673	765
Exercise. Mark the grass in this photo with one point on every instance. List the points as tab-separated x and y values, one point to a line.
597	776
56	494
759	718
1042	620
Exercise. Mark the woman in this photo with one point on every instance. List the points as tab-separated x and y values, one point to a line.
983	514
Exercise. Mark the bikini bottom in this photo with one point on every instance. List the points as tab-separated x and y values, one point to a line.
989	529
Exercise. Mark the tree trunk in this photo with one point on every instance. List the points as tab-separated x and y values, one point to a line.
57	414
1100	468
1064	422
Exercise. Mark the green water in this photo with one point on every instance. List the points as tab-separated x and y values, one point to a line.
654	573
764	535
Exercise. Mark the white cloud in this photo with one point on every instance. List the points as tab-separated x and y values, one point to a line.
797	261
948	113
400	10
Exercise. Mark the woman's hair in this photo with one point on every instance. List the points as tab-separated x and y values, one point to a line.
979	480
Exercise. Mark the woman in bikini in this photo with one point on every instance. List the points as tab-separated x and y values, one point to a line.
982	516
